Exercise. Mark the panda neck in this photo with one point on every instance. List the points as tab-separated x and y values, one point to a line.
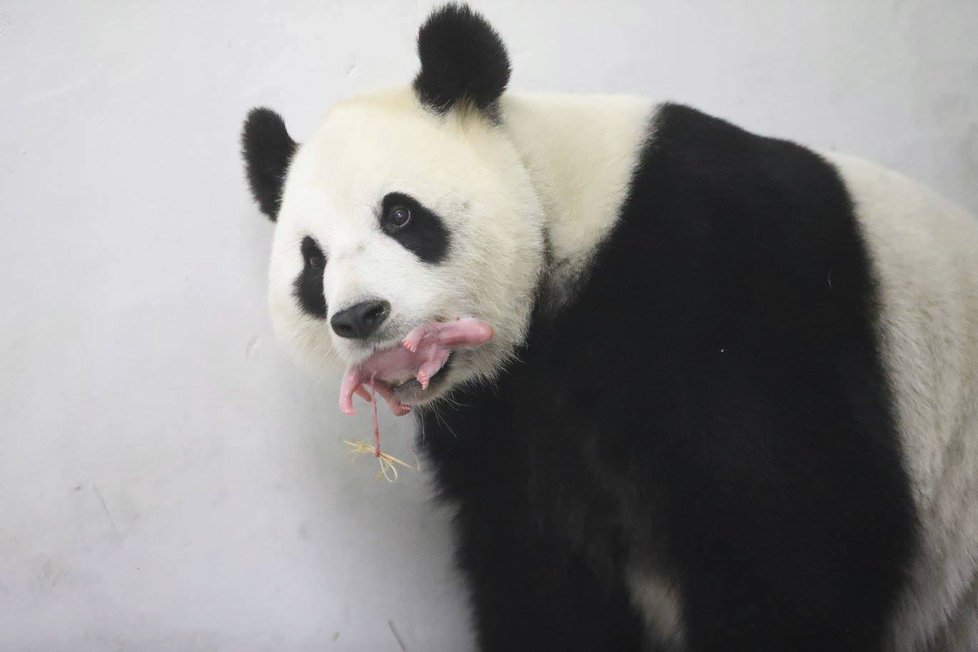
580	152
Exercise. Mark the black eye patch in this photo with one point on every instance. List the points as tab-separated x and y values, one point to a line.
416	228
309	284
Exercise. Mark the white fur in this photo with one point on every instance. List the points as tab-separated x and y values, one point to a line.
581	151
925	255
461	167
659	602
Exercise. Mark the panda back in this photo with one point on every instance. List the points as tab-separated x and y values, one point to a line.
924	254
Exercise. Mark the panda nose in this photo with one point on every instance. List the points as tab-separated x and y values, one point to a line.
361	320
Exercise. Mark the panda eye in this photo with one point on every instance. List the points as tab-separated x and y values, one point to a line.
414	226
399	216
316	261
312	254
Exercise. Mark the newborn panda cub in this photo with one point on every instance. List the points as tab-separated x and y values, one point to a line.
689	388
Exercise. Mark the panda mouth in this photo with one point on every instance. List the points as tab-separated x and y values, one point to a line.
412	387
404	375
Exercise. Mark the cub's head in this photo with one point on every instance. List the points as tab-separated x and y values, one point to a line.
405	207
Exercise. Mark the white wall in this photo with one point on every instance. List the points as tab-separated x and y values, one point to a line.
168	479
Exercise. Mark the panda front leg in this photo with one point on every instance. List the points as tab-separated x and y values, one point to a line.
530	593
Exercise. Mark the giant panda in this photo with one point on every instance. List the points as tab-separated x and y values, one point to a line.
731	397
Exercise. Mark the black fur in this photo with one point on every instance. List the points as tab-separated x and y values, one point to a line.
267	149
309	284
425	235
463	60
711	406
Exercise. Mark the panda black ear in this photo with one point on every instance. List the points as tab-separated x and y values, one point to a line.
267	149
463	60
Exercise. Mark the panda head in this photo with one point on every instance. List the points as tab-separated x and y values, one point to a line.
407	206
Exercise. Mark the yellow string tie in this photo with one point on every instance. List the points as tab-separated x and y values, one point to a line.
388	463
